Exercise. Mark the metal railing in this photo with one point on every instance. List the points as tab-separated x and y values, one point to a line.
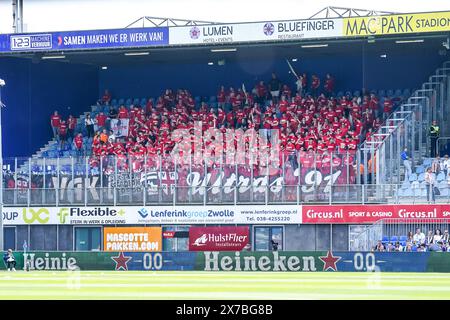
213	195
402	230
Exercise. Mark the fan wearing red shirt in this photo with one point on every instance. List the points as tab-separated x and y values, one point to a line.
78	142
315	84
55	121
106	99
283	105
123	113
387	107
71	123
100	119
329	85
62	131
261	92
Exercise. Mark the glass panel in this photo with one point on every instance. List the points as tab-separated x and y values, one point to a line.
9	238
96	239
262	239
81	239
277	238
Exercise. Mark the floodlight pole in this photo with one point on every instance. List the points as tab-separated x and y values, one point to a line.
2	83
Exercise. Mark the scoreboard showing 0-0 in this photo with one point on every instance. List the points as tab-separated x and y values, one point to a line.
31	42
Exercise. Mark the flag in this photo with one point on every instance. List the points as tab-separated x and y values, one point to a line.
292	69
120	127
245	92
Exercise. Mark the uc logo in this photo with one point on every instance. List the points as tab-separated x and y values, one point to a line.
31	215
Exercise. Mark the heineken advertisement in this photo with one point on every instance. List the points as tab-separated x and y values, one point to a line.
276	261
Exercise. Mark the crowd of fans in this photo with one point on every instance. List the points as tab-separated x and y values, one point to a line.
309	119
417	242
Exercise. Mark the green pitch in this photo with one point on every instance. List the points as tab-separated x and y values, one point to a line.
222	285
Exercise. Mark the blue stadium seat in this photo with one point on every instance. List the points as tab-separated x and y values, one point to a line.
420	169
394	239
143	102
390	93
340	94
405	184
440	177
381	93
357	93
398	93
427	162
114	102
403	243
385	239
406	93
421	177
45	154
403	238
408	193
121	102
413	248
412	177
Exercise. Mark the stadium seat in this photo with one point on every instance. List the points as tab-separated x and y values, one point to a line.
406	93
403	238
121	102
403	243
427	162
143	102
394	239
390	93
382	93
398	93
420	169
405	185
412	177
340	94
421	177
357	93
114	102
440	177
413	248
408	193
136	101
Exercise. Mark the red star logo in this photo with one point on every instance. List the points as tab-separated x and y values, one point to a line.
330	261
121	261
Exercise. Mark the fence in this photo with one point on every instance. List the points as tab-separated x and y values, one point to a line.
393	230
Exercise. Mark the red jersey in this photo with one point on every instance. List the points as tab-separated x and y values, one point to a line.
101	120
72	123
55	120
78	142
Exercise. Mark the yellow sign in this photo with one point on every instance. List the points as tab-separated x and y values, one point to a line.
397	24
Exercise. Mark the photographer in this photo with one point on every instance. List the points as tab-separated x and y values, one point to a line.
10	260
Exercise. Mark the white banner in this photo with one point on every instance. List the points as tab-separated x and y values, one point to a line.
257	31
120	127
270	214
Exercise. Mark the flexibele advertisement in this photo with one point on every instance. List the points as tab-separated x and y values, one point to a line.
187	215
218	238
